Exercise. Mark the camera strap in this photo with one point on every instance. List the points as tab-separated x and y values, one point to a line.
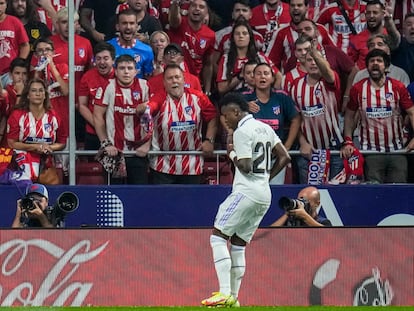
346	16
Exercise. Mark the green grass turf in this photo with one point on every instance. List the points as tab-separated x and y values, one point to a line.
248	308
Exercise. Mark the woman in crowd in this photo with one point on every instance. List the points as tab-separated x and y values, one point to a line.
158	41
275	108
34	129
242	50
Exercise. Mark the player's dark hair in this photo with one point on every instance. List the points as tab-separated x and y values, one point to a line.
234	98
104	46
378	53
124	58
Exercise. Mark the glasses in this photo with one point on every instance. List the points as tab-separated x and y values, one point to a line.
43	51
172	53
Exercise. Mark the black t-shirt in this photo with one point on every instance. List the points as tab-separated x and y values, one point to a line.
104	15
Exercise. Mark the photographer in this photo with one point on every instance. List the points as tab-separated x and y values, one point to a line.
31	209
303	211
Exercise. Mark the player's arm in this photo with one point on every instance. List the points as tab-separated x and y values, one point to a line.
282	159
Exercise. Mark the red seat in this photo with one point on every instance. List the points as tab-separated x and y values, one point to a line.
225	171
90	173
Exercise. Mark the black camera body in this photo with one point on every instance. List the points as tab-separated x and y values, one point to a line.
288	204
28	203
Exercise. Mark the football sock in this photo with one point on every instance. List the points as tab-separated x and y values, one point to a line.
238	267
222	262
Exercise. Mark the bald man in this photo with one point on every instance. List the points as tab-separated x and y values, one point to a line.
307	218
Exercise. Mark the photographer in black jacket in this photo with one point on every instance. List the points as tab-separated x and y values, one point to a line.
31	209
302	212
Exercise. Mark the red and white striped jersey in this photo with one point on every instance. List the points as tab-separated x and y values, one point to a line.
178	127
337	25
290	76
267	21
22	126
315	7
319	108
282	45
381	114
123	126
222	43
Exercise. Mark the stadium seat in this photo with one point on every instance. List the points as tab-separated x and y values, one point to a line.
90	173
225	171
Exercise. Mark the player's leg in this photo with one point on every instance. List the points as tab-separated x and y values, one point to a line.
238	264
224	226
253	215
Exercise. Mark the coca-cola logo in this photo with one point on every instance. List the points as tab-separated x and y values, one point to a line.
57	281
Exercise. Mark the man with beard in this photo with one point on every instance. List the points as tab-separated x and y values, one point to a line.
376	16
380	101
195	38
92	85
180	115
127	43
380	41
25	10
282	45
268	17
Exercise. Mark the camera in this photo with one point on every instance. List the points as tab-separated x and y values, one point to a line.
66	203
28	203
288	204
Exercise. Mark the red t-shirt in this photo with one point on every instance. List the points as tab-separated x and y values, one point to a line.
83	56
91	81
12	35
196	45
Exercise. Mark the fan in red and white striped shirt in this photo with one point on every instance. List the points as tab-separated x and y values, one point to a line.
178	115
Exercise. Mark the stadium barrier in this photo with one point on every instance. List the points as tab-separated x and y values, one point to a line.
173	267
189	206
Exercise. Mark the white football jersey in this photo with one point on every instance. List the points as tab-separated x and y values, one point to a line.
255	140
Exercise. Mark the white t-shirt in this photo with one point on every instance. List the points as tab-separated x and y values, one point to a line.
255	140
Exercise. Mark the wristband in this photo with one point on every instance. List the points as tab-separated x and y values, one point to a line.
347	142
232	155
105	143
211	140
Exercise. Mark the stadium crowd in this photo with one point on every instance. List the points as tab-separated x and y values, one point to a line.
334	79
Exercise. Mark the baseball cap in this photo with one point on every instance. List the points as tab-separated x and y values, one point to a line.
37	188
173	47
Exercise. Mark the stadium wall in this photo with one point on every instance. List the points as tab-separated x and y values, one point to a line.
173	267
185	206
